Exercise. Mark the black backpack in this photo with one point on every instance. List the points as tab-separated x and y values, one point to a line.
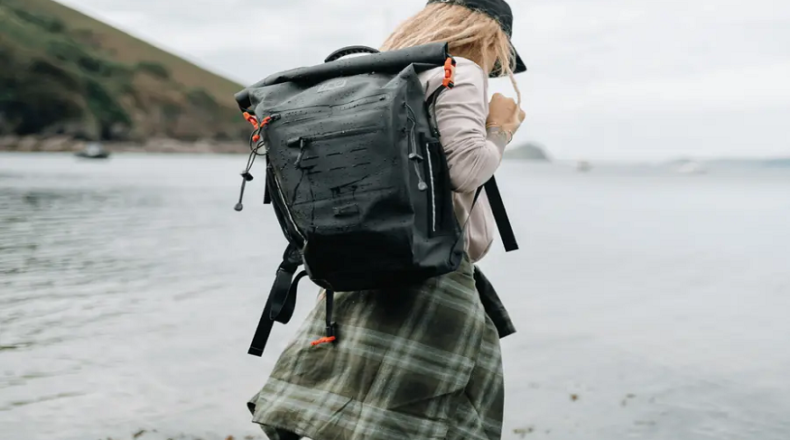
357	176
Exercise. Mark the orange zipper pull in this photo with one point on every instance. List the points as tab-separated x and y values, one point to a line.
324	340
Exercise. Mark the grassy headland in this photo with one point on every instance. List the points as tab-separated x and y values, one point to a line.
67	78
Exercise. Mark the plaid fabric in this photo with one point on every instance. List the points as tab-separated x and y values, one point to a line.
418	363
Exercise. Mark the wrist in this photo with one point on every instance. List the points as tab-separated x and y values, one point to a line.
500	133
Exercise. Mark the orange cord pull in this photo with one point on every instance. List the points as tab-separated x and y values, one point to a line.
449	73
251	119
324	340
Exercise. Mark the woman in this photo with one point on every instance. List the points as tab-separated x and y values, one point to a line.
423	362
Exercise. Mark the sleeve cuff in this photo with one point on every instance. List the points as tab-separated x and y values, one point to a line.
498	136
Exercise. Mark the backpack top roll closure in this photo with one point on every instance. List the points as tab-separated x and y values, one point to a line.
423	57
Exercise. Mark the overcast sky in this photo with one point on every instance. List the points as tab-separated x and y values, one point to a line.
608	79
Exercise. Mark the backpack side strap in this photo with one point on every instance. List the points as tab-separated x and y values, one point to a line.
281	303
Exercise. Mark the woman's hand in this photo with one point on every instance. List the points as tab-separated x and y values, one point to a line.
505	114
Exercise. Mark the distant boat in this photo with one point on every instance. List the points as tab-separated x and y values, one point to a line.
93	150
583	166
691	167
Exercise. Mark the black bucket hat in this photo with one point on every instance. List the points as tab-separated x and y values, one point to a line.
500	11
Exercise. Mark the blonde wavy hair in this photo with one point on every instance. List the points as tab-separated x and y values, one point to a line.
469	34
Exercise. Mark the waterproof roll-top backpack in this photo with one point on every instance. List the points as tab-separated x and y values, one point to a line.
357	176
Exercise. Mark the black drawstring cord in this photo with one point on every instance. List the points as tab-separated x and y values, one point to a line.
246	176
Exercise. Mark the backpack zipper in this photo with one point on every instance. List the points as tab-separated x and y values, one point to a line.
433	186
271	118
341	133
304	141
414	155
288	210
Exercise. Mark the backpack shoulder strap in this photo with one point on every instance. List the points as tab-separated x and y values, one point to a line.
492	190
447	83
500	215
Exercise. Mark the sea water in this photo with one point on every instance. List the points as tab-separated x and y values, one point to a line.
649	304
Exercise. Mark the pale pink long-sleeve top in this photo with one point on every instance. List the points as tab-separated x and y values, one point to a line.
473	155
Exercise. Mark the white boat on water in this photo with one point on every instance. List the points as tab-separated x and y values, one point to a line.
691	167
94	150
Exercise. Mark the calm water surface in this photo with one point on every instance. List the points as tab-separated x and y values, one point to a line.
649	305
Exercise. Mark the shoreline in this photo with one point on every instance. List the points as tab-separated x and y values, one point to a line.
65	144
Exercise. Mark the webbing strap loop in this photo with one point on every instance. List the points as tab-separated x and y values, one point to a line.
281	303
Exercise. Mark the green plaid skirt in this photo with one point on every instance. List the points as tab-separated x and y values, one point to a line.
418	363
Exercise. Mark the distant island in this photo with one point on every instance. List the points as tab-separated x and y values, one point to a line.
67	79
529	151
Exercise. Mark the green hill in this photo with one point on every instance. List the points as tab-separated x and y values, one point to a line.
64	73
